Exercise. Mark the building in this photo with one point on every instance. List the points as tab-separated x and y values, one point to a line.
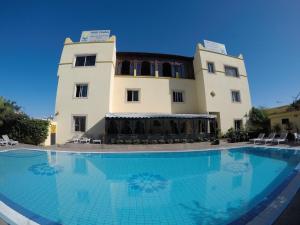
284	117
101	91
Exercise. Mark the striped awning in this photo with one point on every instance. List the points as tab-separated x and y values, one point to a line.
158	115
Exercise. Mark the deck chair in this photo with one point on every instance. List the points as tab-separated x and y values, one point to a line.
281	139
258	139
269	139
9	141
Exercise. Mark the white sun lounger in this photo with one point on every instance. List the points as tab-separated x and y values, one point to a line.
297	137
9	141
281	139
258	139
2	142
269	139
75	139
96	141
85	140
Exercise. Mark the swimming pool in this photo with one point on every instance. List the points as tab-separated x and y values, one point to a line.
198	187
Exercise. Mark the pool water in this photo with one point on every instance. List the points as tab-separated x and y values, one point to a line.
204	187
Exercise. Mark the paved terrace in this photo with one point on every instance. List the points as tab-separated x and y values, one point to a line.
140	147
289	216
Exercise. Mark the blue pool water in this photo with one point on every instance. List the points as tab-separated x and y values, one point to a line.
210	187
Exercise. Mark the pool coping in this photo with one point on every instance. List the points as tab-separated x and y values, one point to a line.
276	204
12	217
96	151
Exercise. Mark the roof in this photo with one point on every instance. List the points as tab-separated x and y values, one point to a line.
280	110
155	55
157	115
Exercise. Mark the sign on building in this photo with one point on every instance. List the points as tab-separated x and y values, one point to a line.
94	35
215	47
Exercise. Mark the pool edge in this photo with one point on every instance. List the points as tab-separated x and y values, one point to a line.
279	203
267	216
11	216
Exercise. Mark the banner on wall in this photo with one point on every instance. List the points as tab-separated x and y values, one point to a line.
215	47
95	35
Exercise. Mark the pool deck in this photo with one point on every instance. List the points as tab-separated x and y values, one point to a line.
140	147
278	209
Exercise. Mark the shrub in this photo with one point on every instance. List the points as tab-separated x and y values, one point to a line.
277	128
21	127
236	135
258	122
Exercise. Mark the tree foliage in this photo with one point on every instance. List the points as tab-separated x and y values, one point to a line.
258	121
19	126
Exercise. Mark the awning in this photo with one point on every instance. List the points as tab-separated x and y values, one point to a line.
158	115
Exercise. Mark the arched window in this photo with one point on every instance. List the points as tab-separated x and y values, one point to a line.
174	127
125	70
156	127
167	70
113	128
125	127
139	128
183	127
146	68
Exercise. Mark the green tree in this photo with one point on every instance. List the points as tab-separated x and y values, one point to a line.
19	126
7	109
258	121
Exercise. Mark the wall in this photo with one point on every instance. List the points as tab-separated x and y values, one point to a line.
155	95
294	119
98	77
107	92
51	128
221	85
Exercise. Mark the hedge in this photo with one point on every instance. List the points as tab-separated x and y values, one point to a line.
24	129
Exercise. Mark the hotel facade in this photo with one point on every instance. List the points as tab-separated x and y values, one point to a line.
102	92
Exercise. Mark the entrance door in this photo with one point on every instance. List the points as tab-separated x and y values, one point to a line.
53	134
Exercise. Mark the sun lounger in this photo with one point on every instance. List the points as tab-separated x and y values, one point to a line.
85	140
258	139
96	141
297	137
9	141
281	139
269	139
75	139
2	142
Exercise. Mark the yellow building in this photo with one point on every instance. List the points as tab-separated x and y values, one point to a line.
97	85
285	117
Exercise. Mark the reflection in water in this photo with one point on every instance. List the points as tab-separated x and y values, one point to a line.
179	188
83	196
80	166
44	169
147	182
236	167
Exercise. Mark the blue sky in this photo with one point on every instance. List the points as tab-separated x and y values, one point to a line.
266	32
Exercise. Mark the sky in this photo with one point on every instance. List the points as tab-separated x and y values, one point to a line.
266	32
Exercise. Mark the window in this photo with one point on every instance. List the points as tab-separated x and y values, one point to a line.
79	123
81	90
166	70
125	68
178	96
138	66
238	124
235	96
146	68
179	70
88	60
285	121
211	67
231	71
132	95
152	69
